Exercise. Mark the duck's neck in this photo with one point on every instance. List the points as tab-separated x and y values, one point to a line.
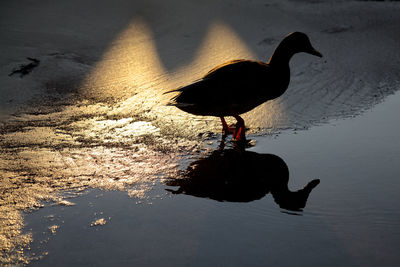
281	56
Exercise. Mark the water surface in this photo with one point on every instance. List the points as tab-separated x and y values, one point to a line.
91	115
350	218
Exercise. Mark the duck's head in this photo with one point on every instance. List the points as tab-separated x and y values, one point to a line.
294	201
297	42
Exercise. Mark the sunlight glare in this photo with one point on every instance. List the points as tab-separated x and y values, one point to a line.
132	71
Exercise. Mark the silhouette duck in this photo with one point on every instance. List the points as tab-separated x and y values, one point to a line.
241	176
238	86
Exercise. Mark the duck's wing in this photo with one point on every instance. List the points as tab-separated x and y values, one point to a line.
237	70
188	95
228	77
227	87
237	80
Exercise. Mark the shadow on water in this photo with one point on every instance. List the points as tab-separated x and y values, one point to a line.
236	175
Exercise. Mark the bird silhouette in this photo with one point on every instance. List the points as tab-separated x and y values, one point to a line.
241	176
238	86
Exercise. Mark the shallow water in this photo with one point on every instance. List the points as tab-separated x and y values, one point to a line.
351	217
92	115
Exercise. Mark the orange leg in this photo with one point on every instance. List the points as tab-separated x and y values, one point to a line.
227	129
240	131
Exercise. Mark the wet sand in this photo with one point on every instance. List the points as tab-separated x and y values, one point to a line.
91	116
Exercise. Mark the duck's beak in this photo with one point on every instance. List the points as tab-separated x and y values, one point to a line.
314	52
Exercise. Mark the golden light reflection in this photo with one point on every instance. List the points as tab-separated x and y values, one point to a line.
131	69
129	144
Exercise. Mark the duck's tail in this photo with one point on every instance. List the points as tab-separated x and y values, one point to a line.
182	88
173	91
172	101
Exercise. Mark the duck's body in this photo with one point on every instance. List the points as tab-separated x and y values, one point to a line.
238	86
233	88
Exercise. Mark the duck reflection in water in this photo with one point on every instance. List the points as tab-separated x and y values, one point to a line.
241	176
